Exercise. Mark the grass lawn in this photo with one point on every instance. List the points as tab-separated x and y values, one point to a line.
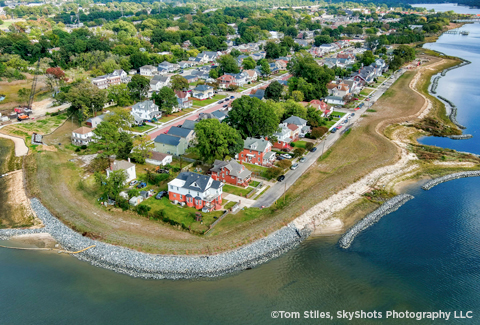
235	220
331	123
259	170
300	144
185	215
201	103
254	183
366	91
170	117
142	128
42	126
236	190
229	205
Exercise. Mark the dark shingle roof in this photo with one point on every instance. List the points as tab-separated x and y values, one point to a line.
189	124
197	182
168	139
179	132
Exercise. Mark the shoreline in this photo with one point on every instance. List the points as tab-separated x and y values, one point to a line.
315	221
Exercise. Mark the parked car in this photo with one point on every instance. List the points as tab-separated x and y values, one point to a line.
355	98
314	149
133	183
353	114
294	166
160	195
227	99
286	156
302	160
281	178
220	101
280	158
225	106
367	99
232	97
142	185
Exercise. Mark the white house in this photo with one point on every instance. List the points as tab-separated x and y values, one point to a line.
127	166
114	78
146	110
82	136
203	92
148	70
158	82
159	158
300	122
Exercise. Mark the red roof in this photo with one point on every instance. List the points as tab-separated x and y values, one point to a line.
181	94
292	127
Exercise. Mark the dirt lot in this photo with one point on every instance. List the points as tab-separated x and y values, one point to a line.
354	156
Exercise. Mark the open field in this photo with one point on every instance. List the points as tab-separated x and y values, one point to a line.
43	126
142	128
11	88
354	156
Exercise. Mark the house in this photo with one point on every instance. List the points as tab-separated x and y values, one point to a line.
183	99
167	67
188	134
189	124
192	78
283	138
365	75
240	79
231	172
347	56
115	78
82	136
93	122
252	75
281	64
334	100
148	70
184	64
146	110
338	89
380	67
159	158
207	56
199	191
300	123
259	93
203	92
170	144
158	82
226	81
127	166
219	115
257	151
318	105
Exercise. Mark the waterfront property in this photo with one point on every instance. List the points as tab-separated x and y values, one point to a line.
231	172
82	136
195	190
258	152
127	166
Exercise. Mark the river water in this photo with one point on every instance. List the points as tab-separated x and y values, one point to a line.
423	257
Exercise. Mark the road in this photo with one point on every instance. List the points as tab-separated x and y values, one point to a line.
209	108
276	191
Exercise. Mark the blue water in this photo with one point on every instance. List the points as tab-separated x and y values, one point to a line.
440	7
461	87
423	257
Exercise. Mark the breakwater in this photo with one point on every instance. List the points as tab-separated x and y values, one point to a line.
464	63
453	113
433	89
152	266
460	137
388	207
451	177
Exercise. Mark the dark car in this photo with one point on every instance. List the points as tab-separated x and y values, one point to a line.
142	185
220	101
160	195
225	106
232	97
227	99
281	178
353	114
333	130
314	149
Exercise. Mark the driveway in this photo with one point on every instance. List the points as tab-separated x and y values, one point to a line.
21	148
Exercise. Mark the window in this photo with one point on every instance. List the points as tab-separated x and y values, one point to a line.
180	196
175	195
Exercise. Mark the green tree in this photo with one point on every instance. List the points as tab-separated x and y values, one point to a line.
107	139
272	50
323	39
138	86
248	63
252	117
23	94
367	58
291	31
265	68
215	140
165	99
142	147
121	118
84	98
179	83
297	96
294	109
274	91
113	185
228	64
120	94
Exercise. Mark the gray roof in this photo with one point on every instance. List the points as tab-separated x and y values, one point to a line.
121	164
255	144
219	114
203	88
260	93
168	139
179	132
189	124
157	79
197	182
147	105
295	120
233	166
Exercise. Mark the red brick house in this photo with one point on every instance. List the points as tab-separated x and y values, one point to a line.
231	172
319	105
226	81
199	191
258	152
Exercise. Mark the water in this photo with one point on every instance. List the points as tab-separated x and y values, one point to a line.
440	7
460	86
423	257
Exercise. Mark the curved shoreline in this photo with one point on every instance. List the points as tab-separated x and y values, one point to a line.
451	177
151	266
386	208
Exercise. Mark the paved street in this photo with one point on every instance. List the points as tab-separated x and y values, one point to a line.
209	108
276	191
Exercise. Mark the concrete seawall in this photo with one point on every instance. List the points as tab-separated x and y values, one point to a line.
152	266
388	207
451	177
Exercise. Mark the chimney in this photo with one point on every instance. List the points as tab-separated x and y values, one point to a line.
128	159
112	161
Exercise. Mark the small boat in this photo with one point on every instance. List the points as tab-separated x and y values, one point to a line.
464	32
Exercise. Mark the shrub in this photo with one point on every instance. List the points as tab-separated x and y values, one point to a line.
143	209
83	147
318	132
284	164
122	203
273	172
133	192
298	152
309	146
77	149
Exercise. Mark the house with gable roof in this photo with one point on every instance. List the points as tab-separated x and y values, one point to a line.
202	92
170	144
257	151
300	123
127	166
198	191
188	134
145	110
231	172
183	99
158	82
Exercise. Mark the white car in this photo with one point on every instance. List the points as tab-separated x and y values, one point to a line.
286	156
294	166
